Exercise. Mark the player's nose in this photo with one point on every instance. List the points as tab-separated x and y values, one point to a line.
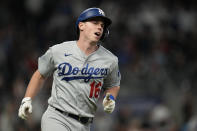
100	27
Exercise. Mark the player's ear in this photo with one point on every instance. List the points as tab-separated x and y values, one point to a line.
81	26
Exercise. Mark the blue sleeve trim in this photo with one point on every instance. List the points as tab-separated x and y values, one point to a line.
112	97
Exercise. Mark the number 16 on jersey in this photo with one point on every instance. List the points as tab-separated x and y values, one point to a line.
95	89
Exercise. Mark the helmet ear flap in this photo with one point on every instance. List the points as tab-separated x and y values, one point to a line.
105	35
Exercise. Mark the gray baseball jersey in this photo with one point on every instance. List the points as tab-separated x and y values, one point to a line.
77	78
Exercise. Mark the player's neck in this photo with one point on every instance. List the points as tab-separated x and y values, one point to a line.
87	47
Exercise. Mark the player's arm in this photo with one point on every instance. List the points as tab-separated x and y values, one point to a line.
34	86
113	91
112	87
45	68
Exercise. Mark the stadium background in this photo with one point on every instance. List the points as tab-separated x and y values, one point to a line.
156	44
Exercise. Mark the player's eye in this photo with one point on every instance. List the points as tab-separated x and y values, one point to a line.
102	25
98	23
95	22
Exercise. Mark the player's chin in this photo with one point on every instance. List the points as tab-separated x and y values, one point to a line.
95	40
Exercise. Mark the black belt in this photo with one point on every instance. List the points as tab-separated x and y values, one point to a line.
83	120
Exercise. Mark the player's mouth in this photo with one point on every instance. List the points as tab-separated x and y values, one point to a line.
98	34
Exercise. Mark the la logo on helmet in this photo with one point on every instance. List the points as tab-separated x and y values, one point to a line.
101	12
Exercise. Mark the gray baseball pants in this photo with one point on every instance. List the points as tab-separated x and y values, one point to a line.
52	120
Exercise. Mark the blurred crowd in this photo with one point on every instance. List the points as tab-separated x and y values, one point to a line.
155	42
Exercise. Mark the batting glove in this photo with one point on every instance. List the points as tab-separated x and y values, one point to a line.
109	103
25	108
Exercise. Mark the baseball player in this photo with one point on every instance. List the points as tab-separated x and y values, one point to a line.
80	69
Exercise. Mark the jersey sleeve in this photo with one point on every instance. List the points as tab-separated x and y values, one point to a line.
46	63
114	77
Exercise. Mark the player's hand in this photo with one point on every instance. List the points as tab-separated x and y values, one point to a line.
109	103
25	108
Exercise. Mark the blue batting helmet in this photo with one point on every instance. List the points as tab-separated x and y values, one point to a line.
92	13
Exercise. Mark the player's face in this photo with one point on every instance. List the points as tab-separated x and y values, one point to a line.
93	29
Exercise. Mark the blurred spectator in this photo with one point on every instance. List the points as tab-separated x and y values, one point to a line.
161	118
